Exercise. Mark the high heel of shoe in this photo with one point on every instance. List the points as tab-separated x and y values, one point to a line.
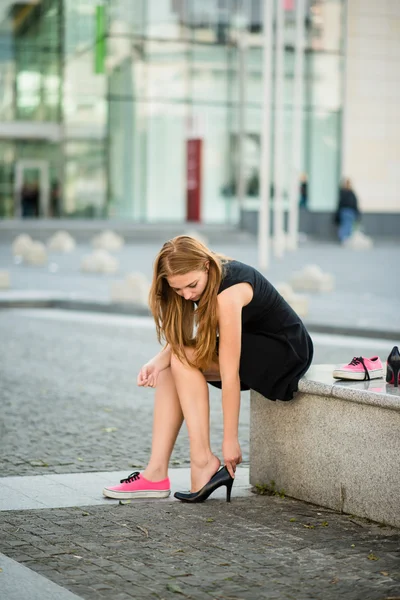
229	489
393	367
221	477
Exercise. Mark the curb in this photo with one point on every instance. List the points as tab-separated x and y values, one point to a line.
79	305
143	311
352	331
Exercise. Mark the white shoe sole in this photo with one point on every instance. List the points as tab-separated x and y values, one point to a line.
374	374
133	495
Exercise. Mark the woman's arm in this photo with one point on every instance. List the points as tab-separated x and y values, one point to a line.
230	304
148	374
162	360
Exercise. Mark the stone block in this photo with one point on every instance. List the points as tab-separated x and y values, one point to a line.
299	302
21	244
339	452
35	254
61	241
134	289
99	261
108	240
4	280
312	279
359	241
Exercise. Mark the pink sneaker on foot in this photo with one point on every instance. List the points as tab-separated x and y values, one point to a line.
360	369
136	486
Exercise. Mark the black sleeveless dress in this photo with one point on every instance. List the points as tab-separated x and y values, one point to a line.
276	348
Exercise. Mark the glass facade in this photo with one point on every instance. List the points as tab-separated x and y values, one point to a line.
30	98
122	88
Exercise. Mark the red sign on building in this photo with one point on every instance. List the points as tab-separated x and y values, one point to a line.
193	179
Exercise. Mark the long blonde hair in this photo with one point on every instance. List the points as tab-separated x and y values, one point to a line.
176	317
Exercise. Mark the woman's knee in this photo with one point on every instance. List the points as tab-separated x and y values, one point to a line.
178	362
164	376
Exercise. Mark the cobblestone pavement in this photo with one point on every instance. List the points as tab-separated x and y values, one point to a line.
70	401
259	547
69	397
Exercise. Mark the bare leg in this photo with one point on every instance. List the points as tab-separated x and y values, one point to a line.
193	395
167	421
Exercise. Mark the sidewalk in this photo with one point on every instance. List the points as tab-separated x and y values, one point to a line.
73	420
254	548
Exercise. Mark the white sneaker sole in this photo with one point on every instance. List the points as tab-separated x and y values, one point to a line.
133	495
374	374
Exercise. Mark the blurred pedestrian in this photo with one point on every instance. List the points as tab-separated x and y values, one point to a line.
303	191
35	192
224	324
347	212
55	199
29	197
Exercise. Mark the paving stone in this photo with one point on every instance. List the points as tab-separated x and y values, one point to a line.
53	421
44	406
251	550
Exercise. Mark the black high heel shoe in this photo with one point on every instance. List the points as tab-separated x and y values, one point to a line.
221	477
393	367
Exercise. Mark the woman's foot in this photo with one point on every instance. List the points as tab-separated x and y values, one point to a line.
221	478
136	486
201	473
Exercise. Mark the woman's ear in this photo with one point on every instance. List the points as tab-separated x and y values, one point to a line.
207	265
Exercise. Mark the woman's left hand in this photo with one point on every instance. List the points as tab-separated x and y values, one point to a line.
232	454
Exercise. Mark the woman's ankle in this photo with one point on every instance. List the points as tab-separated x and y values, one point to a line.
155	473
201	471
204	462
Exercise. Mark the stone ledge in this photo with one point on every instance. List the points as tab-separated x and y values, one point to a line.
377	392
335	445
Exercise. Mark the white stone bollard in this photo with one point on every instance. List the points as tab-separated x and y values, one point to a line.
108	240
21	244
99	261
61	241
4	280
312	279
359	241
134	289
298	302
35	254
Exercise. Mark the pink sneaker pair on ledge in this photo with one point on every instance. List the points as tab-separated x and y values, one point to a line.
136	486
360	369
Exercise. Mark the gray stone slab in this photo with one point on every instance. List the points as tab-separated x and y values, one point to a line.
85	489
18	582
376	392
335	445
9	497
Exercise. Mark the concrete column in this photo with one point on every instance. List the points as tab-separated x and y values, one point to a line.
297	134
278	230
241	179
265	163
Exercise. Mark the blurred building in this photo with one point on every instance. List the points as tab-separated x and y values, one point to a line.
130	108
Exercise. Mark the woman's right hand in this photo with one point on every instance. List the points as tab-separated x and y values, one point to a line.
148	375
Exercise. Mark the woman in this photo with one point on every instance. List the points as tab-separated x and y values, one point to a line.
224	324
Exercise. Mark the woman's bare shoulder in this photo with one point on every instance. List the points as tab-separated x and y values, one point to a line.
239	294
